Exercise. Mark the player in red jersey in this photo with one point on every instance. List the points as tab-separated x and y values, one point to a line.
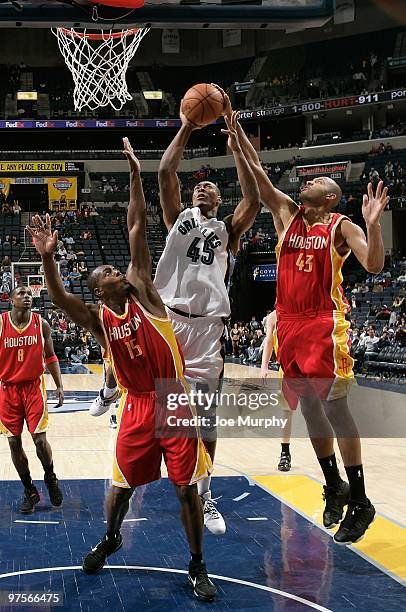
25	347
132	325
313	344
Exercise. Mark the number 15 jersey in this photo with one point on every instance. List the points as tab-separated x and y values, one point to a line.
192	272
309	273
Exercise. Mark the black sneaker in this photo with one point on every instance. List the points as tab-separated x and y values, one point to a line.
55	493
357	520
336	498
31	497
284	464
203	588
96	559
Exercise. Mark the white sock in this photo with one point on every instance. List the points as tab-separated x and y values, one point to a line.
107	392
113	409
203	486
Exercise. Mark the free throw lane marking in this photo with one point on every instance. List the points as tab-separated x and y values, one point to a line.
384	544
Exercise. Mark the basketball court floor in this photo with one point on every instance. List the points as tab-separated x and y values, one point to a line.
275	554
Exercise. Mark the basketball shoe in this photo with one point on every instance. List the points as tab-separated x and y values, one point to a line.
212	517
96	559
358	518
31	497
203	588
336	498
100	405
55	493
284	464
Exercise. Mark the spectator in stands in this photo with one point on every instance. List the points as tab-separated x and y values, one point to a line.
71	255
6	240
93	212
80	354
74	274
5	209
369	344
255	346
384	314
62	252
16	209
82	268
63	265
86	234
254	325
69	239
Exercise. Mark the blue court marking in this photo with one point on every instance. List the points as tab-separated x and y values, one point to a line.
75	401
286	553
73	368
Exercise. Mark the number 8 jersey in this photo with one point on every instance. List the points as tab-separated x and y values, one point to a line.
309	267
21	350
192	272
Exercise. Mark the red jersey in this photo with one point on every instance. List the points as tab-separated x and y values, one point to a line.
309	267
21	350
142	348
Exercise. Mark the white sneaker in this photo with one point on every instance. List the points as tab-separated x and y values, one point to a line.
212	517
100	405
113	421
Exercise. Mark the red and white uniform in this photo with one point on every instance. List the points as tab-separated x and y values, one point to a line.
22	388
312	338
143	351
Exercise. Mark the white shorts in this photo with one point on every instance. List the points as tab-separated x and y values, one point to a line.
199	339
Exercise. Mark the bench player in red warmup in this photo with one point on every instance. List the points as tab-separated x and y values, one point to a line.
25	348
131	323
313	344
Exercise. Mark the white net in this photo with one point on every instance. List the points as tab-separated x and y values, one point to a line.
99	63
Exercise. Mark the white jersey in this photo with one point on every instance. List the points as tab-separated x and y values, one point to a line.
191	273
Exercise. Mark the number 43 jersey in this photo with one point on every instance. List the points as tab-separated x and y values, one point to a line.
309	272
192	272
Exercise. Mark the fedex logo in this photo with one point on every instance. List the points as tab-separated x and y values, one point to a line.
74	124
105	123
14	124
132	123
44	124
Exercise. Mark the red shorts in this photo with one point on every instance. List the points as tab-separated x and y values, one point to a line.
314	354
23	401
139	451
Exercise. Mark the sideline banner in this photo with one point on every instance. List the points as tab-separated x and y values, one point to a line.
62	190
5	185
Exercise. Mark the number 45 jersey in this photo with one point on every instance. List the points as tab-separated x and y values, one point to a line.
192	272
309	267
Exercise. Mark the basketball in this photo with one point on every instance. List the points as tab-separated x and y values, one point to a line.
203	104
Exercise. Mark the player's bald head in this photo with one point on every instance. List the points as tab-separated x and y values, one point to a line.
333	188
94	277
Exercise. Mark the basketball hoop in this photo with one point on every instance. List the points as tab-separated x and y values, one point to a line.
99	62
36	290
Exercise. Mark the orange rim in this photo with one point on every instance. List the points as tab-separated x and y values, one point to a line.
102	36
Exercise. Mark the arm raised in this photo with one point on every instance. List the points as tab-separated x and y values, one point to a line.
45	242
369	249
246	211
169	187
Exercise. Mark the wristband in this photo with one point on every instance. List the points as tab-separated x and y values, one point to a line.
51	359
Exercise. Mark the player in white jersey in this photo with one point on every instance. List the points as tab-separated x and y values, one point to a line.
191	276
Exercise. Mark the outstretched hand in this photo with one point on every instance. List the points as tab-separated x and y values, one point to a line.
373	205
129	153
44	239
231	123
227	110
186	121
